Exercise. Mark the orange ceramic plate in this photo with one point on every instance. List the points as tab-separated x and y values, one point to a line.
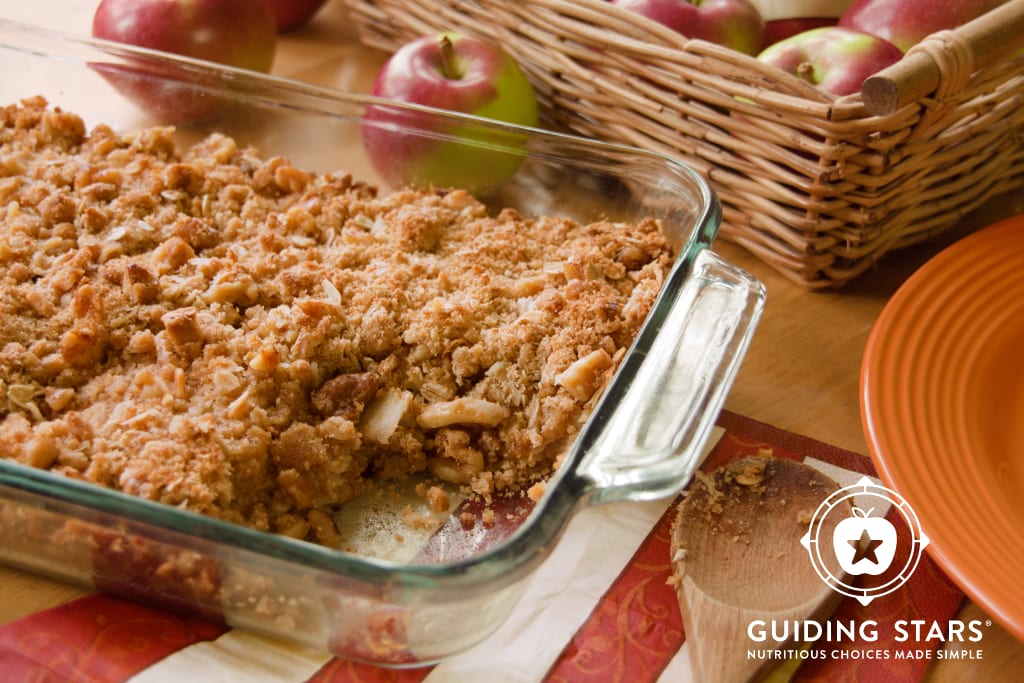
942	400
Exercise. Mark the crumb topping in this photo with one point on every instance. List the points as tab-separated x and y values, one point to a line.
218	330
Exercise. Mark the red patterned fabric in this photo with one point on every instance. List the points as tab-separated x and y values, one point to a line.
97	638
342	671
632	634
636	628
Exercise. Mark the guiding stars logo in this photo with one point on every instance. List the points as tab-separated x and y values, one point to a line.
863	542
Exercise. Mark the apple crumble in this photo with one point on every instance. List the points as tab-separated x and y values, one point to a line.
219	330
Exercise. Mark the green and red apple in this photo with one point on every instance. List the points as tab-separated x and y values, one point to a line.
458	73
732	23
905	23
834	59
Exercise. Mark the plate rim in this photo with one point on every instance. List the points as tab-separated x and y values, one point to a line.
907	296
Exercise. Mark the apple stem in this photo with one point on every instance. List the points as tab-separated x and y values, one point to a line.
806	71
449	63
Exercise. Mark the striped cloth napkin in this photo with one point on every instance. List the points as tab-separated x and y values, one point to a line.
599	609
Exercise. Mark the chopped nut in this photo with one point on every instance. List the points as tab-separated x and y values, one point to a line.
238	288
184	177
140	283
87	303
142	343
174	253
58	398
226	381
82	348
196	233
184	331
346	395
291	179
632	257
266	360
299	221
57	208
41	452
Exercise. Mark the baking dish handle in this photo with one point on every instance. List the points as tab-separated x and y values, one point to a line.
668	398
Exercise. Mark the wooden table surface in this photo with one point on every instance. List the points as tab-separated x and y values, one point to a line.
802	370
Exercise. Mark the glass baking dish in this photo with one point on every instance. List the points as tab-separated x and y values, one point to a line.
642	441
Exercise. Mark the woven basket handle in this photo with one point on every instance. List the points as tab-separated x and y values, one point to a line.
943	62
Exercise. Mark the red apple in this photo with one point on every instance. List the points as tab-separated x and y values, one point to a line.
906	22
733	23
241	33
836	60
780	29
238	33
455	72
289	14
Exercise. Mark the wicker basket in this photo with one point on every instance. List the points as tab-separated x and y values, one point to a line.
818	187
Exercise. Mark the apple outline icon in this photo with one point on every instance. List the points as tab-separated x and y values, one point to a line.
848	543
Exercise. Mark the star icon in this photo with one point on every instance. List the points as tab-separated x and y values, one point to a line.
865	546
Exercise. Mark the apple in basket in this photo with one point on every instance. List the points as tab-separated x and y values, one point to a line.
239	33
290	14
733	23
460	73
906	22
834	59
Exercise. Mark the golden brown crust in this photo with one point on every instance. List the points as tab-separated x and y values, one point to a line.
224	332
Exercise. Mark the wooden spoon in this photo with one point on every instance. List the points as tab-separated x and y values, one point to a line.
737	557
